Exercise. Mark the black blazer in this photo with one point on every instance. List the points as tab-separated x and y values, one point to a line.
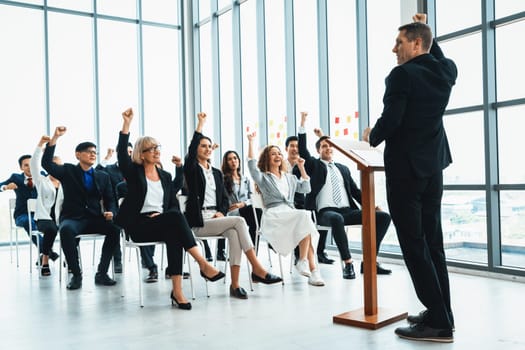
137	186
23	193
196	184
416	95
78	204
317	171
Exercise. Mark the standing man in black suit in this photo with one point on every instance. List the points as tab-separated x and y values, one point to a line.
416	152
89	206
334	195
116	177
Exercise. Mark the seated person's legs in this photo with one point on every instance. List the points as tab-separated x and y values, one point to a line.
23	221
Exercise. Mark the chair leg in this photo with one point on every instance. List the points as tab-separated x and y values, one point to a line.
31	252
281	267
188	261
141	299
16	243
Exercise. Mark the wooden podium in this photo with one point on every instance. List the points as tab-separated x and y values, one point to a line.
369	316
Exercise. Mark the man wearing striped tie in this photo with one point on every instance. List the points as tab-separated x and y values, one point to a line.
334	195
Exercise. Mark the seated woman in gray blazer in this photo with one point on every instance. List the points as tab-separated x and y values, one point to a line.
282	225
207	206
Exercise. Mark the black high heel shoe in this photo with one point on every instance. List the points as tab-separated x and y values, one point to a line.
217	277
182	306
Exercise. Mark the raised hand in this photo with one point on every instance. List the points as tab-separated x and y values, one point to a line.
43	140
127	115
318	132
59	131
251	136
109	154
420	17
303	118
177	161
300	162
214	146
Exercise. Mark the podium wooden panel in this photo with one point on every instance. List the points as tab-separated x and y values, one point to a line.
370	316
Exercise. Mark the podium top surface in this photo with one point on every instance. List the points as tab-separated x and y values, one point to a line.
366	157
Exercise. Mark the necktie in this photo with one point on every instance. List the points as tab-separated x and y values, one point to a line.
336	187
30	182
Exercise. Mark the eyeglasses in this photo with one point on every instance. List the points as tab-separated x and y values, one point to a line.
152	149
90	152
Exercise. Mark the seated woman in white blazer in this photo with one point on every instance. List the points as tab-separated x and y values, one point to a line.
284	226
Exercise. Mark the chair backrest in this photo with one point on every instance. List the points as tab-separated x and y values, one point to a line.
182	202
31	205
12	205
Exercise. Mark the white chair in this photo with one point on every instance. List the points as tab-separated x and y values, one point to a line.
31	207
182	204
93	236
13	230
329	228
257	203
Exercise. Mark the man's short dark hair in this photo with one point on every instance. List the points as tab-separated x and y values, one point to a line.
418	30
22	158
318	142
290	139
84	146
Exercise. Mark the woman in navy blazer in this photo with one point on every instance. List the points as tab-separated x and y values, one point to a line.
150	210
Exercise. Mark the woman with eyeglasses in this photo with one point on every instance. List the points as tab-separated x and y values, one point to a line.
150	210
207	206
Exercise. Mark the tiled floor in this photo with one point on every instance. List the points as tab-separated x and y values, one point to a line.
41	314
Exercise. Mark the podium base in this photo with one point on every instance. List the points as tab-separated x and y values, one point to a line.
357	318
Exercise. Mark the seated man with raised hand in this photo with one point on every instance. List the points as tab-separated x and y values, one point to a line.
333	197
24	189
89	206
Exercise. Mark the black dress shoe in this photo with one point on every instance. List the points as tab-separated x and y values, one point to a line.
75	282
153	276
118	267
324	259
182	306
268	279
238	293
420	331
421	317
348	271
221	256
217	277
380	270
102	279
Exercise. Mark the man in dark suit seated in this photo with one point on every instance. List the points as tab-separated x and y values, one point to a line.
416	152
89	206
332	197
24	189
115	175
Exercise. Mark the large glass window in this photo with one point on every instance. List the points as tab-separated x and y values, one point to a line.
306	60
276	73
22	94
118	81
511	123
164	11
250	91
512	212
382	33
227	140
464	220
71	89
342	66
466	53
509	65
206	82
78	5
508	7
162	106
121	8
468	158
452	15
